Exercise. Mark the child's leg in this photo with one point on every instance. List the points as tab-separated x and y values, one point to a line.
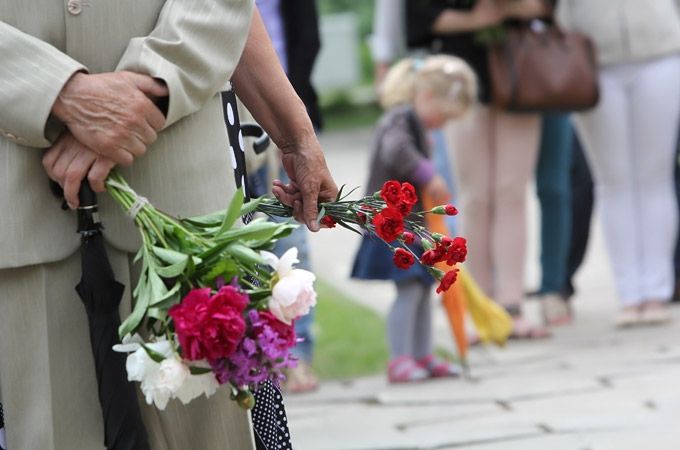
422	333
401	320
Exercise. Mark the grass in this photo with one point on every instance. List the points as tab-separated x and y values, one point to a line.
350	338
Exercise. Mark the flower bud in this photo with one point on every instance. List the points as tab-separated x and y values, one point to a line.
448	210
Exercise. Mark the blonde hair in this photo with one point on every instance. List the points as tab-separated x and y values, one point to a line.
447	77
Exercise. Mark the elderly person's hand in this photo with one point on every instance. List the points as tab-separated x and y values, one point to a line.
311	181
112	113
69	162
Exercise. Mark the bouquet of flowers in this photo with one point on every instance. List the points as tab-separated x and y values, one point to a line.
214	307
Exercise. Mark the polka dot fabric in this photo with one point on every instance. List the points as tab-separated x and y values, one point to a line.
270	424
2	429
269	420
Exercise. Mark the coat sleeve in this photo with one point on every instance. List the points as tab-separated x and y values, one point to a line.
194	47
32	73
402	158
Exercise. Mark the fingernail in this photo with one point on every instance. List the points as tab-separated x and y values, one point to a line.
313	225
71	205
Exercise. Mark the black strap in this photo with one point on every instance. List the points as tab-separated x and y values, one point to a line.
270	425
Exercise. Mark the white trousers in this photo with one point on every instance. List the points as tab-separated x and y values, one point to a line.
630	141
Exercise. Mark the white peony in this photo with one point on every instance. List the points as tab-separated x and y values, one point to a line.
197	385
293	294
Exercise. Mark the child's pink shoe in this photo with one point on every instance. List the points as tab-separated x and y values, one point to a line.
439	368
405	369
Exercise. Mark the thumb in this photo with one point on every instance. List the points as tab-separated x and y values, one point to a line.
310	209
152	87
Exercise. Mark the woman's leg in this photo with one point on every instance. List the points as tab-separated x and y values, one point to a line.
554	194
469	141
604	133
654	113
514	159
581	212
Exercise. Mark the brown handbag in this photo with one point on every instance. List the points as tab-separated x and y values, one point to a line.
539	67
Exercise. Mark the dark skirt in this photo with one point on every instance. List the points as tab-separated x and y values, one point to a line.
373	261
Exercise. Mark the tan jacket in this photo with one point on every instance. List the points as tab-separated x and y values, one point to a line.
193	45
625	30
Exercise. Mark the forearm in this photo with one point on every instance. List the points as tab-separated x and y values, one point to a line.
526	9
453	21
265	90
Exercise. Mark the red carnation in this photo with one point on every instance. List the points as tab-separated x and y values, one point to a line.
450	210
447	281
361	217
408	194
408	237
403	259
210	327
404	208
391	192
457	251
432	256
328	222
388	224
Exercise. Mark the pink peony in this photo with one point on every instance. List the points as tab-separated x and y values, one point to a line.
210	326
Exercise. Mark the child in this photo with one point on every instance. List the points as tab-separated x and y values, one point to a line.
418	95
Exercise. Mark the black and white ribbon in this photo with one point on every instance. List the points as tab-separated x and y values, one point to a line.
270	424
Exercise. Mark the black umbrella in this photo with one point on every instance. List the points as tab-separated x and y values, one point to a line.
101	294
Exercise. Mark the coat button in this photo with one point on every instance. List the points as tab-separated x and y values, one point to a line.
74	7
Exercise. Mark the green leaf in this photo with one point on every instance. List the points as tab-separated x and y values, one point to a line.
351	228
226	268
251	206
142	299
170	256
233	212
158	313
158	288
156	301
199	370
348	194
339	196
244	254
153	354
173	270
213	220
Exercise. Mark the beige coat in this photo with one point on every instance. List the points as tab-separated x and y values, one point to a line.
47	377
625	30
193	45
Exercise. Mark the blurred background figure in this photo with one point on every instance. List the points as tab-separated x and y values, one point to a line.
630	141
294	30
494	151
553	187
388	43
418	95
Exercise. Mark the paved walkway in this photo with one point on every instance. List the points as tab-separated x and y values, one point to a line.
590	387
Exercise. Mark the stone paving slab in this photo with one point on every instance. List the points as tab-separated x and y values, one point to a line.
589	387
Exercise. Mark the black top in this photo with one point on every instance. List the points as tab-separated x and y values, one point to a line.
301	23
421	16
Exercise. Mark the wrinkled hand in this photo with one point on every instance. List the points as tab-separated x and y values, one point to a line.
437	190
112	113
68	162
486	13
311	182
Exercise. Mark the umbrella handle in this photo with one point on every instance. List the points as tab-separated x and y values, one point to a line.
88	210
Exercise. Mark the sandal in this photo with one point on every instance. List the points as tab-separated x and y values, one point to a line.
300	379
405	369
522	329
439	368
556	311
